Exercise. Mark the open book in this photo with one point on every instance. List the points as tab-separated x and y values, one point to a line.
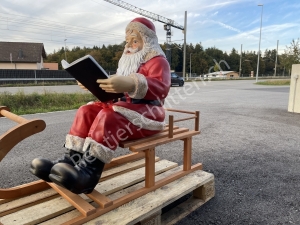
86	70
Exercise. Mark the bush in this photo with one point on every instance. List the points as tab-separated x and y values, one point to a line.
274	82
21	103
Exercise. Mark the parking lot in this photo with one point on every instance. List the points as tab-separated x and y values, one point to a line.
248	140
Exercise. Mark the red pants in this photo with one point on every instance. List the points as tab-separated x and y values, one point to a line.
106	127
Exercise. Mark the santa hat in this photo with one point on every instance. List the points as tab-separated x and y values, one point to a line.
143	26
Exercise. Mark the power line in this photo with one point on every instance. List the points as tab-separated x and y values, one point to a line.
61	35
54	31
59	29
37	22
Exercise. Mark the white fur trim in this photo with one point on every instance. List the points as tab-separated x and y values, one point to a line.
98	150
75	143
141	86
138	119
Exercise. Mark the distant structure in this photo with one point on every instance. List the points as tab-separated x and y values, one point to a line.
222	74
23	55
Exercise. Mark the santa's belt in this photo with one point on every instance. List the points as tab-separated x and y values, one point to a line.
141	101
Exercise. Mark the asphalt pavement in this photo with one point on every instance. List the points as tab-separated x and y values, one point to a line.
248	140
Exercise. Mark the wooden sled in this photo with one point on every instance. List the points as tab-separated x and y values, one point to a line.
98	203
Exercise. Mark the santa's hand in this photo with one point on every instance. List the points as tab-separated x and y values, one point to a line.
81	86
117	84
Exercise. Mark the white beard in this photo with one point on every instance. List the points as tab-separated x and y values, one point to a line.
130	63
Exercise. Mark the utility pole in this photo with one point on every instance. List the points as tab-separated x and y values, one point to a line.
276	59
184	47
191	64
240	61
65	50
262	7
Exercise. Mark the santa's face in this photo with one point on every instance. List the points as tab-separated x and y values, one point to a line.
133	55
134	42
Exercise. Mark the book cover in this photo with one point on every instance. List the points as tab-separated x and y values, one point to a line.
86	70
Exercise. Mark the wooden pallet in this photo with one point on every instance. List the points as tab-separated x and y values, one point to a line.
47	207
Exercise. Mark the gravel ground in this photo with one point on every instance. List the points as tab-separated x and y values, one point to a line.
248	140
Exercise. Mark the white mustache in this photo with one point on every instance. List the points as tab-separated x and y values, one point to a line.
131	50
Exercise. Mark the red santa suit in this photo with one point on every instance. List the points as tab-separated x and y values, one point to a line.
99	127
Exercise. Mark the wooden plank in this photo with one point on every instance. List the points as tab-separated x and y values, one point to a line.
107	174
187	154
187	118
180	111
84	207
57	206
155	143
206	191
75	213
100	199
2	201
132	212
197	120
127	144
23	190
124	159
200	196
21	203
119	182
171	124
134	195
18	204
179	212
150	167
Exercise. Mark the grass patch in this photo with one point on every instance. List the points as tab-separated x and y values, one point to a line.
21	103
274	82
39	83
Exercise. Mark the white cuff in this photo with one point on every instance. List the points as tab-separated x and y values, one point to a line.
141	86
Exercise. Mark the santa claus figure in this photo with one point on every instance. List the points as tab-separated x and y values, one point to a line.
143	75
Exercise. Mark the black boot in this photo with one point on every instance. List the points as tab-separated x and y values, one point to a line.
42	167
81	178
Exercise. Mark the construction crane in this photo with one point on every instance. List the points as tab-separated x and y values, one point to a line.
167	27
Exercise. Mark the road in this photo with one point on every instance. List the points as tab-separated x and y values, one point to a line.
248	141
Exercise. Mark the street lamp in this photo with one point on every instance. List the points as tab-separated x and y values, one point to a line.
262	7
65	50
191	64
240	62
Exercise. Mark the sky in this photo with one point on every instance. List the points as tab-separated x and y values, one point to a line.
224	24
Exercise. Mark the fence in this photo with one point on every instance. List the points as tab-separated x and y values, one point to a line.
11	76
33	76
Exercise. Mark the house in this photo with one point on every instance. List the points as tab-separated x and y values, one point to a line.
222	74
22	55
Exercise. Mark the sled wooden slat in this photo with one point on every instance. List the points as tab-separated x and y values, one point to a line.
155	143
84	207
164	133
59	205
41	196
100	199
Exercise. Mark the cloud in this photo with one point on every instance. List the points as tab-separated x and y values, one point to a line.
227	26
